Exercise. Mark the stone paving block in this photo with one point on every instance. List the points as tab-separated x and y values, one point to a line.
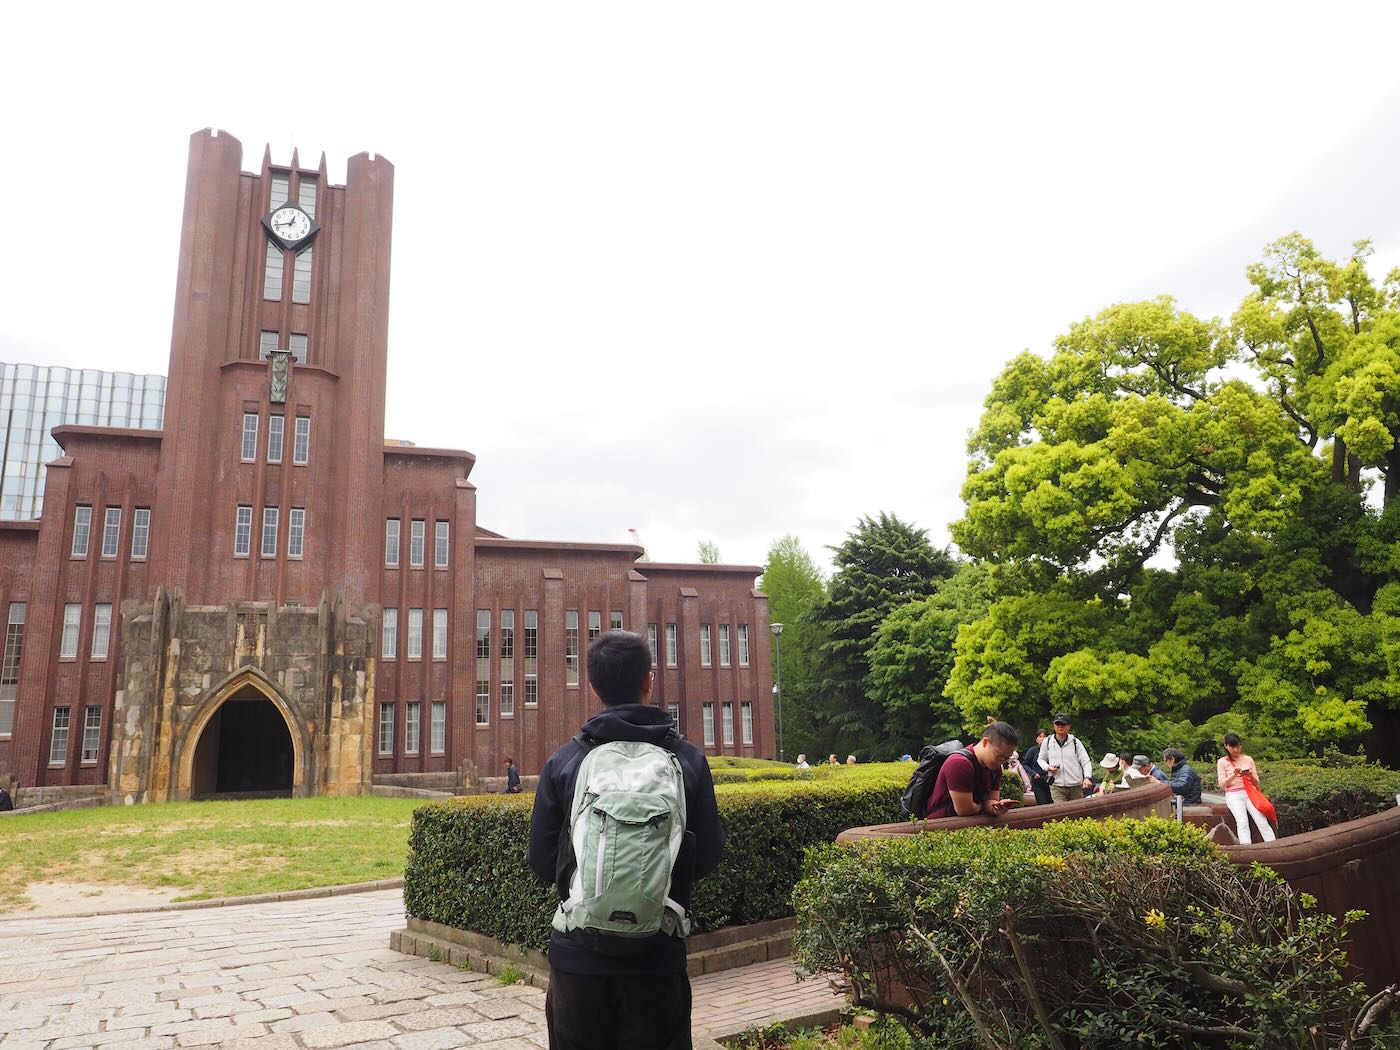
303	1021
333	1004
144	1017
499	1009
220	1035
299	1001
394	995
433	1039
486	1031
347	1034
266	1042
375	1011
439	1017
462	997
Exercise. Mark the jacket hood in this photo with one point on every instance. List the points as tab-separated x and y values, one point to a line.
640	722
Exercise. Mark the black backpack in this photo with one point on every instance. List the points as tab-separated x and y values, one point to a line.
914	801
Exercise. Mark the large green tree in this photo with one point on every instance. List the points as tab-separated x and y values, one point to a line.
795	588
1258	455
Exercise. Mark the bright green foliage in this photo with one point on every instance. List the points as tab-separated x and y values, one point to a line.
884	564
1245	449
795	589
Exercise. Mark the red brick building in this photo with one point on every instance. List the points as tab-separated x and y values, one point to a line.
263	595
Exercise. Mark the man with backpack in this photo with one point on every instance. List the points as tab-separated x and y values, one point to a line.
969	781
625	823
1064	758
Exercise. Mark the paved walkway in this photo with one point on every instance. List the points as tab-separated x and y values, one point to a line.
315	973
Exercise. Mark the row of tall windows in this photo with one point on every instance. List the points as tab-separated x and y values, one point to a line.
505	657
417	539
276	438
73	626
412	727
706	644
413	648
9	665
268	342
267	538
92	736
727	723
110	545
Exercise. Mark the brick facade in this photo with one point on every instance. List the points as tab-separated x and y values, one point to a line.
207	614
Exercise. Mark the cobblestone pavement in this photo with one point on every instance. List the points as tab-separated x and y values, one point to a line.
291	974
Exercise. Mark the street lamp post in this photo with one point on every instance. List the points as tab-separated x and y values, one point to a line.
777	630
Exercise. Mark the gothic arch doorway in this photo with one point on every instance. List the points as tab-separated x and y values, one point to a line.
245	749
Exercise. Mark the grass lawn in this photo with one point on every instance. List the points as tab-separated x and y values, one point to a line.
209	849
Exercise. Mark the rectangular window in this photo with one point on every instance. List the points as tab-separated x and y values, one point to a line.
111	531
272	275
743	645
280	185
571	647
92	734
439	634
670	645
243	531
651	643
301	444
705	645
410	727
746	722
82	528
389	642
269	532
507	634
483	634
301	276
296	346
72	621
440	534
615	620
58	743
483	701
595	624
437	738
267	343
275	426
532	690
728	714
415	634
709	712
249	451
386	729
296	532
415	544
391	543
9	666
724	645
531	651
306	195
140	532
101	630
507	699
674	710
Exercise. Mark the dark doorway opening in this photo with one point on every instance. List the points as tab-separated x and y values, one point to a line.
244	752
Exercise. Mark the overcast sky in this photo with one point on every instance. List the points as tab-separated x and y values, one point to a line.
713	271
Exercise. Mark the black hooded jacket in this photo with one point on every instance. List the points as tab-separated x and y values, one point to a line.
699	856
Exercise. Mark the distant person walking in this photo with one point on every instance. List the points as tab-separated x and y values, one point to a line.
1064	758
512	778
1231	773
802	762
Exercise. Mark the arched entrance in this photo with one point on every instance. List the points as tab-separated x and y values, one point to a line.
245	750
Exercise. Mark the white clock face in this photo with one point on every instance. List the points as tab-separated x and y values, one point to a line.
291	224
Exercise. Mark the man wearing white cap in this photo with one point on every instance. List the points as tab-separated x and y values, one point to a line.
1064	758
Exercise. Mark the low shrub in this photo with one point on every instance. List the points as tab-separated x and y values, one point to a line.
1080	934
466	865
1317	793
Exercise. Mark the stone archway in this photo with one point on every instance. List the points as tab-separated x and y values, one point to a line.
245	743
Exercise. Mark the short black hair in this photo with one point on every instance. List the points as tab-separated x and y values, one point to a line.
618	665
1174	754
1232	740
1003	731
1126	757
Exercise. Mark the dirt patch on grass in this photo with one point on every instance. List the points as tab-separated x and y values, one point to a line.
57	897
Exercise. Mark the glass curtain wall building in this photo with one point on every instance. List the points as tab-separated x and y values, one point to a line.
36	398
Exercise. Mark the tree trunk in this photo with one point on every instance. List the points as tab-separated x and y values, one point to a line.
1339	461
1392	474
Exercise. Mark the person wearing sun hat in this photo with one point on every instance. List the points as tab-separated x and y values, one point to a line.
1063	756
1112	775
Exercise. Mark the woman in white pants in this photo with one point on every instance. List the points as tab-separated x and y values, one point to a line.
1230	773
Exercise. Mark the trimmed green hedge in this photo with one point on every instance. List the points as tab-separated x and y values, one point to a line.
1311	794
466	864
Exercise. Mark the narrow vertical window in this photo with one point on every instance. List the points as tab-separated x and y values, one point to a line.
58	743
275	425
272	274
440	545
391	543
483	700
243	531
724	645
301	276
249	450
386	729
111	531
82	529
140	532
743	645
269	532
389	642
571	647
595	624
507	699
280	188
670	645
101	630
415	544
296	532
301	444
439	634
746	722
651	643
507	679
415	634
296	346
437	733
615	620
530	645
267	343
674	710
728	713
705	645
306	195
483	634
72	622
410	727
92	734
9	666
507	634
709	713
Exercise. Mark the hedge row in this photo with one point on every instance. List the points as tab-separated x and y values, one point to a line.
466	864
1311	794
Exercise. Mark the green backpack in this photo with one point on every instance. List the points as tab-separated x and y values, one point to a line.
625	828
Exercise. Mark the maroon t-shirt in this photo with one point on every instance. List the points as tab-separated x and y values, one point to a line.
959	773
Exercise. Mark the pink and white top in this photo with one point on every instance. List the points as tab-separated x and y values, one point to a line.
1229	772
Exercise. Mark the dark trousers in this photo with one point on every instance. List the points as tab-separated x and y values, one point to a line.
632	1012
1042	791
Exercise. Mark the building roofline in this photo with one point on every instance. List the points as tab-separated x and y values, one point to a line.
411	451
20	524
78	430
677	566
504	543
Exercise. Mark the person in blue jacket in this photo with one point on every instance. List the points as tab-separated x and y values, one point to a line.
1184	780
